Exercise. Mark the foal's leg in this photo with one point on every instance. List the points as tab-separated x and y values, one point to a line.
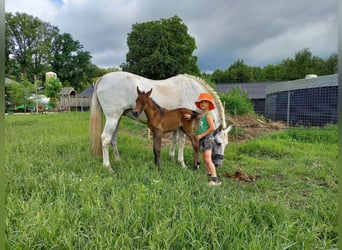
157	136
195	146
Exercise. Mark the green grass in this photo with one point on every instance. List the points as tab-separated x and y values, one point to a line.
59	197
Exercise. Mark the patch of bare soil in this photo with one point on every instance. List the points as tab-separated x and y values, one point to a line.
247	127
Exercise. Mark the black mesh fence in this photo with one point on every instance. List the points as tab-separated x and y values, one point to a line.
304	107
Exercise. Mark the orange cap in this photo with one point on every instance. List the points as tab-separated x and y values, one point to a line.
205	97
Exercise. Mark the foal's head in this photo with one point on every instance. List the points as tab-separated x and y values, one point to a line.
141	101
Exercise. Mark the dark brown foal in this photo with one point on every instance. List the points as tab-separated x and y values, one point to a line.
161	120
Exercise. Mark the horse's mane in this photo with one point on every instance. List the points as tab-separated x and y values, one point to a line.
217	100
156	104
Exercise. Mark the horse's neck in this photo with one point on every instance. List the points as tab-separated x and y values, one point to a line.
151	109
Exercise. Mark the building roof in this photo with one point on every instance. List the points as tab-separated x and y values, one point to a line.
255	90
67	91
87	92
306	83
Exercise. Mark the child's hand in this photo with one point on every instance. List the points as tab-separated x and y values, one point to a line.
187	116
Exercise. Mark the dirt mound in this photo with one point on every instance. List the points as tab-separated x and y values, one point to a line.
247	127
239	175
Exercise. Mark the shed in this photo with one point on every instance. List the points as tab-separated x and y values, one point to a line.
68	92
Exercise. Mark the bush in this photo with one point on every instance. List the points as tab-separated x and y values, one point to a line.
236	102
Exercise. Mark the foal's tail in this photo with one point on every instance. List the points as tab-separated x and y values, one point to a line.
96	124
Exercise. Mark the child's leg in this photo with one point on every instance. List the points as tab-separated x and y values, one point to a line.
209	165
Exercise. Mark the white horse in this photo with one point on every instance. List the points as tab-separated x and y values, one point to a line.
115	95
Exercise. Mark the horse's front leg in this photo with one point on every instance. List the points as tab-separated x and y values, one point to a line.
157	148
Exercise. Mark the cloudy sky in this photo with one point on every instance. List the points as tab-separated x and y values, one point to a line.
260	32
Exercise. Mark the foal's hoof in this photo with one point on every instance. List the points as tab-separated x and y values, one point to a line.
195	167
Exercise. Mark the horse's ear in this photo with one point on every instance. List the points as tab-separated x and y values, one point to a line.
149	93
138	91
229	128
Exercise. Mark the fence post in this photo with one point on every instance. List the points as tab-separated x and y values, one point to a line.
288	107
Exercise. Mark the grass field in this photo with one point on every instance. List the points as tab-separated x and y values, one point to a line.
59	197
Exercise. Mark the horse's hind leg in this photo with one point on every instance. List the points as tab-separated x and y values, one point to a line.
114	143
181	142
106	140
173	144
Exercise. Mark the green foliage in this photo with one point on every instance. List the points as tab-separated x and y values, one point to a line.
52	88
289	69
19	92
28	41
34	47
69	61
59	197
160	49
236	102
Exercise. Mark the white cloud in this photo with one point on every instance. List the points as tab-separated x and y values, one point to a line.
259	32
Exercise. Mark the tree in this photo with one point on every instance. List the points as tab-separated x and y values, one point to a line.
27	43
69	61
160	49
303	64
220	76
331	66
20	92
272	73
34	47
240	72
52	88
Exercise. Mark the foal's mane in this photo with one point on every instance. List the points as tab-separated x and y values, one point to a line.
217	100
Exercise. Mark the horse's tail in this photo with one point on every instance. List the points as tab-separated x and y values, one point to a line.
96	124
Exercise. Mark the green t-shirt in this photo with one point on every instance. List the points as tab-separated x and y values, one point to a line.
202	125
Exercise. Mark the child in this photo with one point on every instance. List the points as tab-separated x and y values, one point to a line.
206	127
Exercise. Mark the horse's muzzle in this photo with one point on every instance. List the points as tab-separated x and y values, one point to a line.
217	159
135	113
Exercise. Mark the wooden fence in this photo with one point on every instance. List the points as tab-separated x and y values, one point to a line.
68	103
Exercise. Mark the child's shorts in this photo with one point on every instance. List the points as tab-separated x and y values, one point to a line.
206	143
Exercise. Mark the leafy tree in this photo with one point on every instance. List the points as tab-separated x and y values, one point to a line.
304	63
331	66
27	45
52	88
272	73
220	76
160	49
240	72
69	61
20	92
34	47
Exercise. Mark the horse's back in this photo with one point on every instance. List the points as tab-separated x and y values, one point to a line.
117	91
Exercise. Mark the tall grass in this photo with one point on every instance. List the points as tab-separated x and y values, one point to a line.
59	197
